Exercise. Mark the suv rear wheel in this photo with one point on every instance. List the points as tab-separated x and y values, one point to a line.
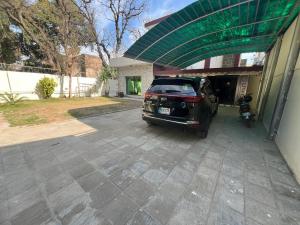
202	133
216	111
150	123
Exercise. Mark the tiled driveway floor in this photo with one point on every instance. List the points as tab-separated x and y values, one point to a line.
127	173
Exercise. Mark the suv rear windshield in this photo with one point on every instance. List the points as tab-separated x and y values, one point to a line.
174	86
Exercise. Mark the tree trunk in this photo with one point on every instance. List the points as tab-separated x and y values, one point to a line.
70	85
119	85
104	64
61	85
118	47
107	88
101	88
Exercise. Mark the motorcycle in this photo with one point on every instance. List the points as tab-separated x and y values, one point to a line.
245	111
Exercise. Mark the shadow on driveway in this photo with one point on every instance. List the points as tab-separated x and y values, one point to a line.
127	173
120	105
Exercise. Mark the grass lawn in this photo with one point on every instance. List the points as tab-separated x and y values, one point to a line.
52	110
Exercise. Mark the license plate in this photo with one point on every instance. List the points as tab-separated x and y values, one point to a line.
163	110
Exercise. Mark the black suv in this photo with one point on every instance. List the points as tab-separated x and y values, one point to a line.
184	101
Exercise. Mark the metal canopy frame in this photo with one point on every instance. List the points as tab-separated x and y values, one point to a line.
210	28
196	49
213	33
229	50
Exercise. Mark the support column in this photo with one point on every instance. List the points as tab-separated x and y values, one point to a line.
263	77
207	63
286	82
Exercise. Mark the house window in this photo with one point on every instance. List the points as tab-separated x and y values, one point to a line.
133	86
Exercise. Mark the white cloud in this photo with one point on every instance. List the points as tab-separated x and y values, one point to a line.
155	11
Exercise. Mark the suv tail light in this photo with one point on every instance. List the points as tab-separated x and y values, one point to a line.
193	99
187	99
151	96
148	94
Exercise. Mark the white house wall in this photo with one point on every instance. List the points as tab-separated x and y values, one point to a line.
278	74
266	78
143	71
253	85
216	62
198	65
288	136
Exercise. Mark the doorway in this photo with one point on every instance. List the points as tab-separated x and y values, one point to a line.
133	86
225	88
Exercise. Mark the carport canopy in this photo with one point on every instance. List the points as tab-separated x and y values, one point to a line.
209	28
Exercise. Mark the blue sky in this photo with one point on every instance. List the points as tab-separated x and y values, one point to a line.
159	8
156	9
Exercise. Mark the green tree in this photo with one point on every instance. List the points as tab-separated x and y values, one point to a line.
56	27
8	50
73	32
36	27
106	73
8	41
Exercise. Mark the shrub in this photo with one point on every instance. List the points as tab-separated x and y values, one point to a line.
45	87
11	98
106	74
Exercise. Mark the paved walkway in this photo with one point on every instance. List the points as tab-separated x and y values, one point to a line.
18	135
126	173
3	123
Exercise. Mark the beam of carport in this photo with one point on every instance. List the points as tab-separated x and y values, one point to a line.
254	70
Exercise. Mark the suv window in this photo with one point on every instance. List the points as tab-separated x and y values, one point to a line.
173	86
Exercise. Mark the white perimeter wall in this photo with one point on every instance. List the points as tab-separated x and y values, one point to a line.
278	74
24	83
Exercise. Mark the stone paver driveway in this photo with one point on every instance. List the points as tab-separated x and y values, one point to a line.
127	173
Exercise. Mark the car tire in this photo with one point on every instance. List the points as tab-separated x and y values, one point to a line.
150	123
202	133
248	123
216	111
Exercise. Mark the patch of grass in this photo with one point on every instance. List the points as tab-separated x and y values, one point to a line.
51	110
23	120
16	115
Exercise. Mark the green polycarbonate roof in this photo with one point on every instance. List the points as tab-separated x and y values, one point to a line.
210	28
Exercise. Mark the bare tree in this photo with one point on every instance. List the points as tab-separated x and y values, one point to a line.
88	11
123	12
135	33
70	32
